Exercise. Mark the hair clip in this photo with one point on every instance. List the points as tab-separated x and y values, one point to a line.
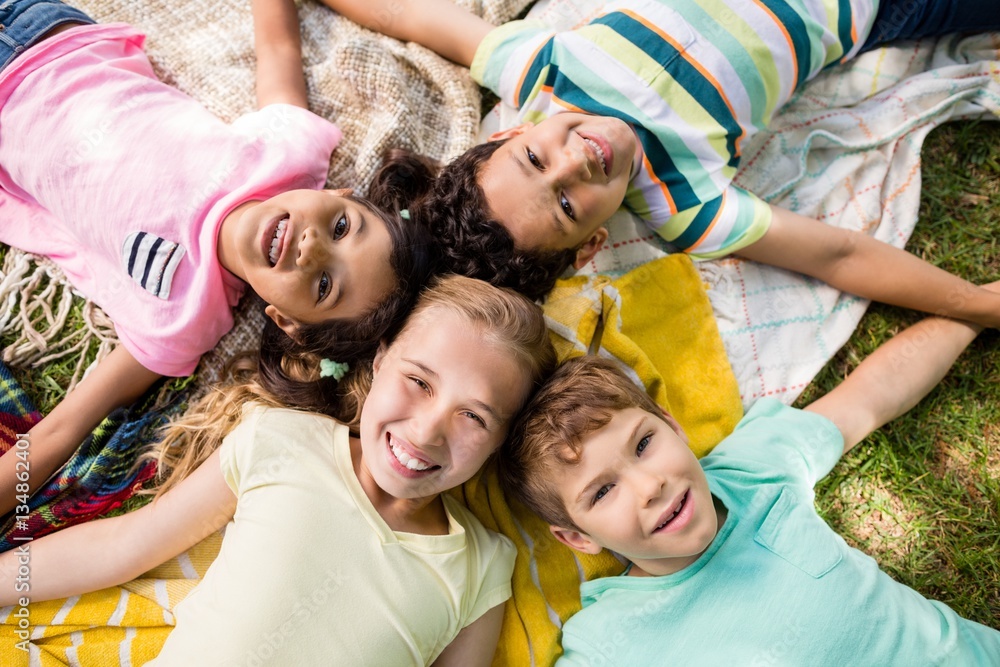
335	369
404	213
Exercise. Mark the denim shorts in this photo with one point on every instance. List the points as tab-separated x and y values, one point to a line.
23	22
913	19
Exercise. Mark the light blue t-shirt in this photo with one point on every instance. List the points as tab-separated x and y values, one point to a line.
777	586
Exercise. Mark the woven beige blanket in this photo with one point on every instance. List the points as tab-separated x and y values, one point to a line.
381	93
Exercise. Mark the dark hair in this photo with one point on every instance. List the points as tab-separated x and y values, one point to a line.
581	397
289	368
452	205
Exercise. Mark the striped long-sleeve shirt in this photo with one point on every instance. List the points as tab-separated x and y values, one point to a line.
694	78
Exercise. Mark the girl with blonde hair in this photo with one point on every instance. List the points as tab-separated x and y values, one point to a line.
356	505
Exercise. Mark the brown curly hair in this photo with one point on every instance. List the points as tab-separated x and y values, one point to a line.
451	204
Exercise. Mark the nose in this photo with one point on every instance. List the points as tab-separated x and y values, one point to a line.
571	166
648	485
312	250
428	428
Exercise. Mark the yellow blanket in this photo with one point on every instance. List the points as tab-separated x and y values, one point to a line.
122	625
658	322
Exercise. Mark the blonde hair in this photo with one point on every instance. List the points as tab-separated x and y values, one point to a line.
504	317
187	441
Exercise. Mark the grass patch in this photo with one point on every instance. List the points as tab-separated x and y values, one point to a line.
46	385
922	495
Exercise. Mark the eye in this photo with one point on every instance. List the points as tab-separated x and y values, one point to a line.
341	227
533	159
475	417
566	207
324	286
420	384
641	447
601	492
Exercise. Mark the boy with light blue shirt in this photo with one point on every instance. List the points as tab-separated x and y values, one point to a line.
730	563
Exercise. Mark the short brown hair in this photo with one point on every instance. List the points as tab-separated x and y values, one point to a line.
581	397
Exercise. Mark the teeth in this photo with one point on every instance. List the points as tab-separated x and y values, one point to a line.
279	233
677	511
407	460
600	153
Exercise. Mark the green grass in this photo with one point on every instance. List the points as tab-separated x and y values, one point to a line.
922	495
47	385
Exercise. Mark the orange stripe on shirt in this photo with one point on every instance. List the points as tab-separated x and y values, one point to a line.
788	38
708	230
563	103
697	65
663	186
524	73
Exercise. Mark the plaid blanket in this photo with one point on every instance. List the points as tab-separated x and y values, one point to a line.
101	475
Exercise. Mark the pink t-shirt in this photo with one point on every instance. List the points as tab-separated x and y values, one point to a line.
123	181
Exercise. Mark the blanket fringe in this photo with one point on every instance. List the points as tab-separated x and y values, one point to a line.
36	304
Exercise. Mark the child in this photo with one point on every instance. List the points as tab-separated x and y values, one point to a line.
418	578
730	563
162	214
649	105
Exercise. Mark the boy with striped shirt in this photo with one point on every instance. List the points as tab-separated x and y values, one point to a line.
649	106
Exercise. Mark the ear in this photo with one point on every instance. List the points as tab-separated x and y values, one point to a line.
586	252
510	133
574	539
379	356
675	425
286	324
343	192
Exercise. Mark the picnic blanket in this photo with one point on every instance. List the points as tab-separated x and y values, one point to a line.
121	625
102	474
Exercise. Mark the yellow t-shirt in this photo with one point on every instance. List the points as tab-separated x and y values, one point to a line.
310	574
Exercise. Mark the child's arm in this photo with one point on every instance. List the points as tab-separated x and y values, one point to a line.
895	376
278	45
440	25
95	555
117	380
855	262
476	643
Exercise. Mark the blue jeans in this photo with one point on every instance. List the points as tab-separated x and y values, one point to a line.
24	22
913	19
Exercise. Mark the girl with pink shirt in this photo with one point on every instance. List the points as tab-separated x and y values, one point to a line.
163	214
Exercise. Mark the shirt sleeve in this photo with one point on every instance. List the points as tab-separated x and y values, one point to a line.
780	441
236	450
716	228
512	60
497	570
312	137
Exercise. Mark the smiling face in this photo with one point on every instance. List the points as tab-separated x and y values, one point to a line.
639	491
440	403
313	256
555	184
